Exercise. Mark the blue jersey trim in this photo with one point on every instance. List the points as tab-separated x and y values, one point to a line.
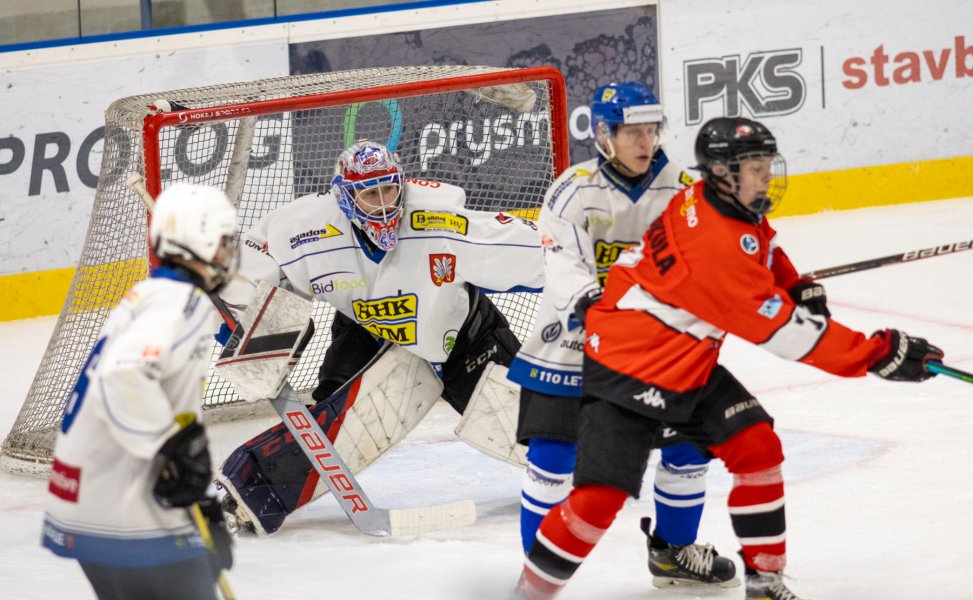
555	382
169	273
129	552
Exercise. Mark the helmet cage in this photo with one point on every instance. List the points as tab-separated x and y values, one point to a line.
379	226
765	203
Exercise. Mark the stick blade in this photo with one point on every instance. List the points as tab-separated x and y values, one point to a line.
413	521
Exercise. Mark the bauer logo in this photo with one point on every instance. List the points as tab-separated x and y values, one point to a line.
762	84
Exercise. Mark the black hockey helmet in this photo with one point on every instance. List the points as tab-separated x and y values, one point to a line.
727	141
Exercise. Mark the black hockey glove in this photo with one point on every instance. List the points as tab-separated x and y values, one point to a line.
184	468
904	358
811	296
221	555
584	303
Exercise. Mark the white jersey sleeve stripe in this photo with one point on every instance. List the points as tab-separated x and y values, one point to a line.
796	338
678	319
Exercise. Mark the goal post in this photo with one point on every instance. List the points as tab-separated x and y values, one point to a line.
501	134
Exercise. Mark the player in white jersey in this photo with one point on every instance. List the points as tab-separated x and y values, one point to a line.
592	212
124	468
402	261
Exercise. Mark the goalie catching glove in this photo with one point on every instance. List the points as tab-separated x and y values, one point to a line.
184	468
904	358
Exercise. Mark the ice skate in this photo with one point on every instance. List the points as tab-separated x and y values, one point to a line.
690	565
767	586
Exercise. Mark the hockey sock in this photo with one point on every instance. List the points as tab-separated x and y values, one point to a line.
546	483
566	536
680	492
756	501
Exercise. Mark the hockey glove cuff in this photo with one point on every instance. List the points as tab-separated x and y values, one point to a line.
184	468
903	358
585	302
811	296
221	554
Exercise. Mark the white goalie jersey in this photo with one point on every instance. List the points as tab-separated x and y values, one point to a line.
149	365
590	215
413	295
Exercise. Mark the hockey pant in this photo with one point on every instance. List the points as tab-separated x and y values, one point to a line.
270	477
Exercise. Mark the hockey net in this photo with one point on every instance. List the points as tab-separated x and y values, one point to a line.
498	133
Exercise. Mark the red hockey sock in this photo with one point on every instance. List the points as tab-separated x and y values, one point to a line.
756	501
567	535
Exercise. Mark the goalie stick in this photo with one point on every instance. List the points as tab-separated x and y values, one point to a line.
319	450
892	259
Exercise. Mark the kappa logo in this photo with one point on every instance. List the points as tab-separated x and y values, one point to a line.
442	268
424	220
594	341
651	397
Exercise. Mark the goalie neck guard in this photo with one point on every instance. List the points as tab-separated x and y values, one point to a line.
368	185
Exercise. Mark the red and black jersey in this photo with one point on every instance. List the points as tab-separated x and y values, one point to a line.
698	273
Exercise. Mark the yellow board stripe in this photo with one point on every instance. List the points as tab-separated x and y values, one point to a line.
42	293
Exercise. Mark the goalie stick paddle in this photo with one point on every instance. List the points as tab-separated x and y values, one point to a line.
321	453
893	259
938	367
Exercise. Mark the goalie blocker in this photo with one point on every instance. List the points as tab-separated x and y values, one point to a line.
268	477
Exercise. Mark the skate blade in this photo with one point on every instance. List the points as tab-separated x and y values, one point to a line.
661	581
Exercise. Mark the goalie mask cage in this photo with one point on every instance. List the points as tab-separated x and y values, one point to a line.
501	134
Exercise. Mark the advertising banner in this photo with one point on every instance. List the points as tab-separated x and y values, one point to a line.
589	48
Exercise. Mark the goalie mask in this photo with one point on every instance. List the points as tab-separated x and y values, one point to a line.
725	144
368	184
622	104
196	223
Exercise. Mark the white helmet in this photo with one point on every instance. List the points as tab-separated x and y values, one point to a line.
193	222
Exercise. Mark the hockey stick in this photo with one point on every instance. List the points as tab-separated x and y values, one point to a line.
938	367
893	259
202	526
322	455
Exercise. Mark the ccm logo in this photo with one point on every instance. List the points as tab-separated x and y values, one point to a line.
311	440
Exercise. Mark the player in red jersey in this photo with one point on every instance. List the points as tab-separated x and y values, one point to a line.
708	266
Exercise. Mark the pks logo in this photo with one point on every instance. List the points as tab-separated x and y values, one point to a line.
442	268
764	83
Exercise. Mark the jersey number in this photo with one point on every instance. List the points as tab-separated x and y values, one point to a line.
81	387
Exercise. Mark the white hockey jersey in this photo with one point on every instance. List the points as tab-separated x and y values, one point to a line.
149	364
412	295
590	214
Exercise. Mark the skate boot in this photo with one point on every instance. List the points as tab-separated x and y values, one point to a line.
690	565
767	586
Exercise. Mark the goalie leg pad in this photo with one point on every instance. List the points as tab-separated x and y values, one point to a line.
270	476
489	422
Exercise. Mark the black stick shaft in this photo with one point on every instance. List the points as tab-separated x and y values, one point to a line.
893	259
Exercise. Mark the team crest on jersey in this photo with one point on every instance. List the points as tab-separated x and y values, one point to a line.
392	318
749	243
442	268
424	220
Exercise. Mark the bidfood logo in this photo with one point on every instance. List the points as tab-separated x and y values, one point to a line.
392	318
763	84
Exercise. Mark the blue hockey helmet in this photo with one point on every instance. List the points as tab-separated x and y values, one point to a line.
368	183
617	104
